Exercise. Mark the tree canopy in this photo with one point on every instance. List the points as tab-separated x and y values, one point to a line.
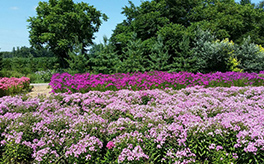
225	18
60	23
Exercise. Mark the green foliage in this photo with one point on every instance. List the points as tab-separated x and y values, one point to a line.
103	58
78	60
134	59
251	56
228	19
172	35
16	153
159	57
245	2
24	52
41	76
205	146
176	21
60	22
214	55
184	61
18	67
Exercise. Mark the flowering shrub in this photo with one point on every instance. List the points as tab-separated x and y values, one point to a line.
195	124
83	83
10	86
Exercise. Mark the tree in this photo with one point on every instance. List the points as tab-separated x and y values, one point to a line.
159	57
59	22
103	58
134	60
251	56
228	19
176	22
244	2
260	5
78	61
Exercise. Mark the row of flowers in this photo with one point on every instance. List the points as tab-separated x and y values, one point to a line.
11	86
83	83
195	124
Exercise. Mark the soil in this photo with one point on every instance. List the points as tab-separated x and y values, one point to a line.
40	89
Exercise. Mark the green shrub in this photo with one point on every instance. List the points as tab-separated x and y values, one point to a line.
250	56
41	76
10	73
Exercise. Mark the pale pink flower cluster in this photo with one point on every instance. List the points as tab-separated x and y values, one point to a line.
82	126
135	154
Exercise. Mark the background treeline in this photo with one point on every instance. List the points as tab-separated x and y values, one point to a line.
165	35
38	64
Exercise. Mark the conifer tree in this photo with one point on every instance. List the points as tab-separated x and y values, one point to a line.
184	60
159	57
134	59
78	60
104	59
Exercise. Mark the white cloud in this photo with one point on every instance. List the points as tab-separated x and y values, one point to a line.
14	8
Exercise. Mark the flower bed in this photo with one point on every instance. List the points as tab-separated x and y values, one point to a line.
83	83
11	86
195	124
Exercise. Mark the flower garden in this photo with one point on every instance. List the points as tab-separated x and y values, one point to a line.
11	86
152	117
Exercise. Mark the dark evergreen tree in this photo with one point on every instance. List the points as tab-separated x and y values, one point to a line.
184	61
134	60
103	58
78	61
159	57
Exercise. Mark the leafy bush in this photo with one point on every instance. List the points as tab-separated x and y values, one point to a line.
250	56
214	55
41	76
11	86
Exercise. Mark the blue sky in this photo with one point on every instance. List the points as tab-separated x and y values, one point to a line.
14	15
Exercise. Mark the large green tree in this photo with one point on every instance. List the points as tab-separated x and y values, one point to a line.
177	20
228	19
60	23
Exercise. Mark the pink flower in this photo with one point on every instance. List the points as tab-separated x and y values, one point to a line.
110	145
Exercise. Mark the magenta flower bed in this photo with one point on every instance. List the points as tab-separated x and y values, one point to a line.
195	124
10	86
83	83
